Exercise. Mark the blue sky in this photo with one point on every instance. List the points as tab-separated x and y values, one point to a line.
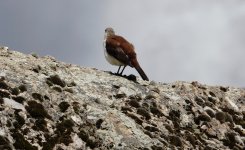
175	40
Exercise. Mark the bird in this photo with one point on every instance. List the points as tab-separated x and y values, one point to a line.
118	51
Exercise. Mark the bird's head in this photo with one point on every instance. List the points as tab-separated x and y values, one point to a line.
109	32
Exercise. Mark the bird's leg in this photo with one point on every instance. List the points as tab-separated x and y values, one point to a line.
122	70
118	69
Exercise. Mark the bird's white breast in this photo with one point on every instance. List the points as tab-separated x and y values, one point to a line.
110	58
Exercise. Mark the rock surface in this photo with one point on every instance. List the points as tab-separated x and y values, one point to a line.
47	104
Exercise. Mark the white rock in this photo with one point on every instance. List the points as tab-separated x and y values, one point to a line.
231	104
13	104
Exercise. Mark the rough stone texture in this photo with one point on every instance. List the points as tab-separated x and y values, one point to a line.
47	104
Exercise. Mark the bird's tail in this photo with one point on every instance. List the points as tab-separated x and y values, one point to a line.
142	73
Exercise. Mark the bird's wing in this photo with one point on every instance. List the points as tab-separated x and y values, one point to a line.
115	47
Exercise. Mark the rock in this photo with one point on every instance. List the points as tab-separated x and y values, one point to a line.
209	111
13	104
55	79
47	104
221	116
134	103
144	112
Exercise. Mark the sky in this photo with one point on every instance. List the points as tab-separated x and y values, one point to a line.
175	40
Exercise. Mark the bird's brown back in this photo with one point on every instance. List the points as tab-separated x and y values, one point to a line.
118	41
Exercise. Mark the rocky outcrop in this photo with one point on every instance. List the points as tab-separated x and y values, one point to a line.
47	104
